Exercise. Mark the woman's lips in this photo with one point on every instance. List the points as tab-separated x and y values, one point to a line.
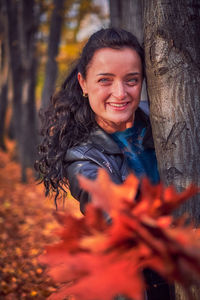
118	106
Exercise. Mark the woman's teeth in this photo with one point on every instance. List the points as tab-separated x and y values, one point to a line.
118	105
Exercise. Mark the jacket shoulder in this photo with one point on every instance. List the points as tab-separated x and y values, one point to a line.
78	152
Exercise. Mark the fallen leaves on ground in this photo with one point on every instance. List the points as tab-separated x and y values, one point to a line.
26	224
95	259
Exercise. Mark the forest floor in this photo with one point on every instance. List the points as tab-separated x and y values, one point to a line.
26	225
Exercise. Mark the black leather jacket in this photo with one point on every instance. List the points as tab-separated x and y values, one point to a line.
100	150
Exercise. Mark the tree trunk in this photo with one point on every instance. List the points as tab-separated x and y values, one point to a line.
172	48
16	72
53	45
3	109
127	14
27	30
4	70
22	29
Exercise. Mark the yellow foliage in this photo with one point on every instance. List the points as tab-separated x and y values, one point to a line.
69	52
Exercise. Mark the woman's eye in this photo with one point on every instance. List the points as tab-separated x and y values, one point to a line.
104	80
132	81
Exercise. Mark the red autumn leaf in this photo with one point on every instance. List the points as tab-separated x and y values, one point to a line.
107	195
97	260
105	279
159	200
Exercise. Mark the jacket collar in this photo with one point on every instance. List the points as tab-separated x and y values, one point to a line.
104	141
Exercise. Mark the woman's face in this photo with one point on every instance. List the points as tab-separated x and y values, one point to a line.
113	84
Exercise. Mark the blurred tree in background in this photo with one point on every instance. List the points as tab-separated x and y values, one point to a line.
21	25
128	14
4	74
56	23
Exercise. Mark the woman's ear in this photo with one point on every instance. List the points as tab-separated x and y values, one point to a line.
82	82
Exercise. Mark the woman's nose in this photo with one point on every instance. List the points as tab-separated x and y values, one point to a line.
119	90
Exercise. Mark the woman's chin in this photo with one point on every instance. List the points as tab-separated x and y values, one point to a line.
115	124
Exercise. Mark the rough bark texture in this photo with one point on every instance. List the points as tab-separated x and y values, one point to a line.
172	47
53	46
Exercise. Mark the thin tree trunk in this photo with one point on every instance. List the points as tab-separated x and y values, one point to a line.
16	74
11	126
31	132
127	14
115	13
27	29
172	47
53	46
4	68
3	93
22	55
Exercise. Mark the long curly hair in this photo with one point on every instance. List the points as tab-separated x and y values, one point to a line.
69	118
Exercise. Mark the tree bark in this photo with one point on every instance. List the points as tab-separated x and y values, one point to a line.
53	46
172	49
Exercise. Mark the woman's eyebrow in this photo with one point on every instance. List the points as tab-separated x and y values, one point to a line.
105	74
133	73
111	74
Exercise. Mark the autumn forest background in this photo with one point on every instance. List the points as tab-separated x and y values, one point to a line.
39	40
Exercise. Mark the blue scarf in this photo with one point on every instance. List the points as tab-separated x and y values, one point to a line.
141	161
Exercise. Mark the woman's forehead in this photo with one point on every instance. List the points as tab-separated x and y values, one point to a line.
109	58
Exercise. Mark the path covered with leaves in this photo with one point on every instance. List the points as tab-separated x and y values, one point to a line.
26	224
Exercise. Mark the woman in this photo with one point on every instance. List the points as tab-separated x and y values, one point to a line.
95	121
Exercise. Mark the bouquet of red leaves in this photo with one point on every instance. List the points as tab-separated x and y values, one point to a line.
97	259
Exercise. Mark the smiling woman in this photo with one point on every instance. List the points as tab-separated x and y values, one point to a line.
94	121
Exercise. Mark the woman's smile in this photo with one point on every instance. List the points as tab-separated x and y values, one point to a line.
113	83
118	106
